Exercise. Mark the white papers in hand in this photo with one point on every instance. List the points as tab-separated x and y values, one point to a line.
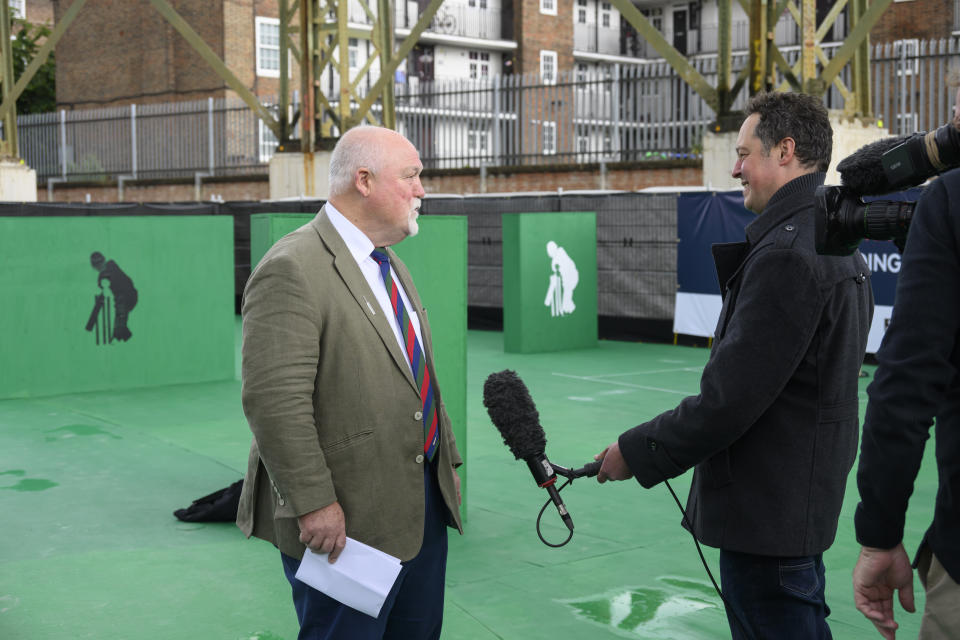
361	577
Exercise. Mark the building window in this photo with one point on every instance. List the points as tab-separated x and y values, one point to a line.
476	139
18	9
267	142
548	7
583	140
605	9
581	74
473	70
353	53
907	56
907	123
268	47
548	66
582	11
655	16
549	138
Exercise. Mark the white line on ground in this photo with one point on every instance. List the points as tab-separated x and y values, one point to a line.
623	384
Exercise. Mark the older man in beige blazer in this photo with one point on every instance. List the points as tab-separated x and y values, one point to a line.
336	414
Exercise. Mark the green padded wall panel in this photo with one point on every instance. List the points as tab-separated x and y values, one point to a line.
437	259
267	228
94	303
549	281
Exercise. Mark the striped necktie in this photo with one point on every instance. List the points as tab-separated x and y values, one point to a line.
415	356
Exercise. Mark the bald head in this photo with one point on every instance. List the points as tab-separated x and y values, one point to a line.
364	146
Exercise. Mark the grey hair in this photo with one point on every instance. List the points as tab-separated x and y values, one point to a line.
352	152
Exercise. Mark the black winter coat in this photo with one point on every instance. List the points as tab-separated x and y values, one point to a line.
773	432
918	378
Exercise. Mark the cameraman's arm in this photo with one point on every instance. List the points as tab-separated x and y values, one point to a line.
915	366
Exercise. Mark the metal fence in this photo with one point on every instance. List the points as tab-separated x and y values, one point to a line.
606	113
165	140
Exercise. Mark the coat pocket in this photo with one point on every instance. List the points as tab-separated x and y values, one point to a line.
345	443
718	470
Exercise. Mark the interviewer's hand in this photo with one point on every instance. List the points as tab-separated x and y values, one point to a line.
880	572
614	467
324	530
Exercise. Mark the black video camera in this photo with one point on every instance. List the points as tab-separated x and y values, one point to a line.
843	219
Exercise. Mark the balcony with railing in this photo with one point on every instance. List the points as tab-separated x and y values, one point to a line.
626	41
465	18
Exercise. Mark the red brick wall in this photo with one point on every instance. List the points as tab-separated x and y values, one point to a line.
625	179
118	52
923	19
40	12
159	192
535	31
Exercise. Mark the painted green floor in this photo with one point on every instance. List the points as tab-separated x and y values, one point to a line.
89	548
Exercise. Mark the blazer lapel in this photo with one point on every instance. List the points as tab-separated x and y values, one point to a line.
357	285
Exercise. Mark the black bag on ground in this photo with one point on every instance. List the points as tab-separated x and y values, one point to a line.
219	506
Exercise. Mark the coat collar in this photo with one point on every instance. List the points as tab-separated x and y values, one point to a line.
775	212
729	257
356	284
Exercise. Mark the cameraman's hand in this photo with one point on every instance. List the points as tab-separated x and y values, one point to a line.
878	574
614	467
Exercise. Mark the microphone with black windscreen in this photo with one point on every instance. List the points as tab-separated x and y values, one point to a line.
863	171
515	416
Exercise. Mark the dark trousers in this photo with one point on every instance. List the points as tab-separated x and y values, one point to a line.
414	608
774	598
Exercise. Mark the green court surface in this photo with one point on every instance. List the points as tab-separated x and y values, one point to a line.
90	548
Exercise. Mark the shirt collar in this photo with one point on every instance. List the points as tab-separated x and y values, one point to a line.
356	240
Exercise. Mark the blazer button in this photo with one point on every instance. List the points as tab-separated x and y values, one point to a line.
418	415
420	459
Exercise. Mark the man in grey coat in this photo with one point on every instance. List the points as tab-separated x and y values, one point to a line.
772	434
350	434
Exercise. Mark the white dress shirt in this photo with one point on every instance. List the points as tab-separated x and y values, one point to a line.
360	247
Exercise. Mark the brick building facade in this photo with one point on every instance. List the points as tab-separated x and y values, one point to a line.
920	19
119	52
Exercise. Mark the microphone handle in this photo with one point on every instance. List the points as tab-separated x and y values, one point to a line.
588	470
562	508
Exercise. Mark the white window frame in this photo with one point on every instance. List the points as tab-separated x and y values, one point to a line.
549	137
548	7
908	123
261	70
478	139
353	53
551	66
581	74
912	47
266	142
18	9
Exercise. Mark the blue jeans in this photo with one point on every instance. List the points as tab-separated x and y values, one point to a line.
774	598
414	608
